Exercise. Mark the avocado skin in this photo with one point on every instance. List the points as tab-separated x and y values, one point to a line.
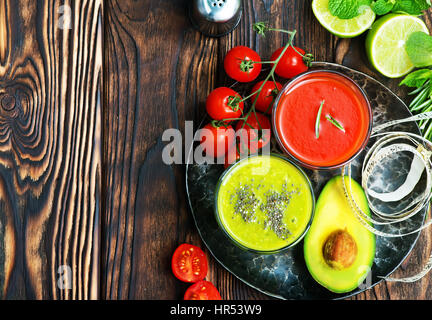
332	213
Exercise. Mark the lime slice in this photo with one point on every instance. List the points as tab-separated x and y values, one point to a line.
385	43
344	28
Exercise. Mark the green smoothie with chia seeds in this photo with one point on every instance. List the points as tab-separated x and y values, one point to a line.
264	203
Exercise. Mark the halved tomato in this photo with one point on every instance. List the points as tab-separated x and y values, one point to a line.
202	290
189	263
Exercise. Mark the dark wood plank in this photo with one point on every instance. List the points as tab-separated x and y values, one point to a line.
159	71
50	147
144	209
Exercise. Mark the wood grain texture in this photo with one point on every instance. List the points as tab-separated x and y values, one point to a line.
50	147
142	204
159	71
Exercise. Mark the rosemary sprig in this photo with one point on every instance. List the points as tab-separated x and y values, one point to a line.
334	122
318	119
421	80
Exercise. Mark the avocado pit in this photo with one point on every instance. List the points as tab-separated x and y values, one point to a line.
340	250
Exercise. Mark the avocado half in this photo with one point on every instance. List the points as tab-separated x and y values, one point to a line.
333	214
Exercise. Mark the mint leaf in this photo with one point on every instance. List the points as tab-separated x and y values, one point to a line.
417	78
414	7
364	2
344	9
382	7
419	49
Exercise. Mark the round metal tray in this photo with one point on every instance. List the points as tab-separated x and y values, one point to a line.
285	275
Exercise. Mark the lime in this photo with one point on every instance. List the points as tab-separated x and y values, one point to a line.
344	28
385	43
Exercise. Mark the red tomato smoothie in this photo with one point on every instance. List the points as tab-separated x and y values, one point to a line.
295	116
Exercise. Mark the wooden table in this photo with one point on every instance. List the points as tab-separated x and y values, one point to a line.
88	210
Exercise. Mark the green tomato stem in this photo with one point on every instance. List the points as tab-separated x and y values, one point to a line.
261	28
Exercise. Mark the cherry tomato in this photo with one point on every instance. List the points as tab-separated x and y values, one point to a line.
291	63
238	64
266	96
216	141
218	104
232	156
202	290
252	136
189	263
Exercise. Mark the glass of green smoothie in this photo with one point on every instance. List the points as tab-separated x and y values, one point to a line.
264	203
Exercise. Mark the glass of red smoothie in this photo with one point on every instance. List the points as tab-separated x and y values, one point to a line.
328	139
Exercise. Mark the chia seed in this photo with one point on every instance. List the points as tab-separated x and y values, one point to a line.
246	203
274	208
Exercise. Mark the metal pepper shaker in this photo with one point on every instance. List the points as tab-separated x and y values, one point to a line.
215	18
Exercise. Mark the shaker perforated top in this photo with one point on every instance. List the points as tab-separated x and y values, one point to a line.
215	17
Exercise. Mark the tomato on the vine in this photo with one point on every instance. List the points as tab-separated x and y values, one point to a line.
189	263
239	64
292	63
256	133
223	103
202	290
216	141
266	96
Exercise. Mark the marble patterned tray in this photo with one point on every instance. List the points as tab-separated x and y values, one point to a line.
284	275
